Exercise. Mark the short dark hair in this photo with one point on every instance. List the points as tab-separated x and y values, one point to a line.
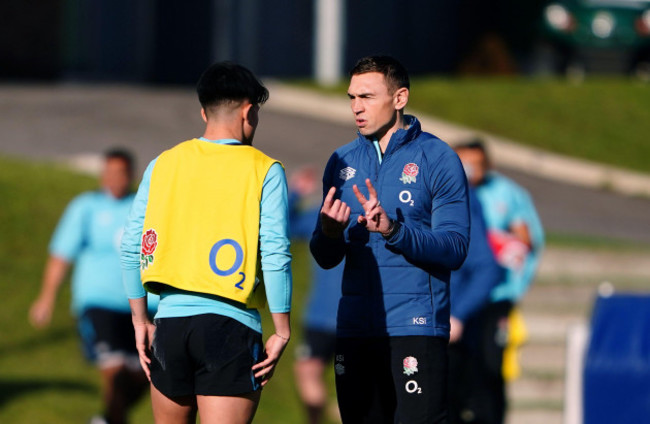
122	154
225	82
474	143
394	72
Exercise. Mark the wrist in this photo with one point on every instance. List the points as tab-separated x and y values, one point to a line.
285	338
332	233
393	228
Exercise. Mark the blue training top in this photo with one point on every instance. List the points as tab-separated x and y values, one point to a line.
274	251
398	286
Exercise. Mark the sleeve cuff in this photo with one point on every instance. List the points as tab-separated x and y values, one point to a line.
396	234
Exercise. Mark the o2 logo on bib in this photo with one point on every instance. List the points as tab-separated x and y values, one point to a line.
236	262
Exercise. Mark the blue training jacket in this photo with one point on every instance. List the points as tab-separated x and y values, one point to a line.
400	286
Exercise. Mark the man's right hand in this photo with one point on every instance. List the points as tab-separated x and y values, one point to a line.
334	215
144	334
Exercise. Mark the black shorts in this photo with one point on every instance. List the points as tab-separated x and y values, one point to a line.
209	355
317	344
108	338
392	379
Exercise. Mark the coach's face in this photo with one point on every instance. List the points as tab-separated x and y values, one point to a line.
374	105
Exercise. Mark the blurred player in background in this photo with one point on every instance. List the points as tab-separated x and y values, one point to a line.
471	286
89	235
517	238
209	214
316	352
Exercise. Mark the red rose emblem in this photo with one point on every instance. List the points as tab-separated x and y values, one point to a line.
411	170
149	242
410	362
410	365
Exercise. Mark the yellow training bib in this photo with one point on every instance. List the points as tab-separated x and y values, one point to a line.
201	226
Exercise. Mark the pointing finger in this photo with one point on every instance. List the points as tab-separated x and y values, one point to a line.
327	203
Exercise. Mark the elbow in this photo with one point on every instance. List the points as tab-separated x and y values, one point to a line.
460	253
456	263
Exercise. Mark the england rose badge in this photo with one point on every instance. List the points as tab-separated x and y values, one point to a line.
409	173
410	365
149	244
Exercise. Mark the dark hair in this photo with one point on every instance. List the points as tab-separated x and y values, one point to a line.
122	154
475	143
225	82
395	74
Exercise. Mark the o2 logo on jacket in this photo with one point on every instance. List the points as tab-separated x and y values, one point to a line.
239	259
405	196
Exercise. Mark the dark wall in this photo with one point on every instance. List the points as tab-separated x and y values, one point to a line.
30	39
181	41
172	42
106	39
274	38
286	44
422	34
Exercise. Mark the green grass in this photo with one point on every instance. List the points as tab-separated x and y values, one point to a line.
43	376
602	119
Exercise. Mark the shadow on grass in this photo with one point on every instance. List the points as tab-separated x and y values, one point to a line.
10	389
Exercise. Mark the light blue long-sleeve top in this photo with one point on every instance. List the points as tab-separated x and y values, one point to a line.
274	252
89	235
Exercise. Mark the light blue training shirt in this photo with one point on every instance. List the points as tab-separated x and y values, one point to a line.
88	234
274	251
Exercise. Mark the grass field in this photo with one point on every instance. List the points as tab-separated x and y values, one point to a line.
43	376
601	119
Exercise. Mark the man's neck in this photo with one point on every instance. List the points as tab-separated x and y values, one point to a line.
385	139
221	132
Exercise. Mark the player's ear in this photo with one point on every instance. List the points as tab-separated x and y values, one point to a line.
245	110
204	115
401	98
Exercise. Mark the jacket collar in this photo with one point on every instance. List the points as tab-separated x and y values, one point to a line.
401	136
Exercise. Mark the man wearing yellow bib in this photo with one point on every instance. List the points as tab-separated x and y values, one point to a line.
208	231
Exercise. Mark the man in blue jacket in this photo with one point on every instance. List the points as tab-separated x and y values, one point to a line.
396	208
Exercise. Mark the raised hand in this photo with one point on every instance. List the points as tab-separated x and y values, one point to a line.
334	215
375	218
